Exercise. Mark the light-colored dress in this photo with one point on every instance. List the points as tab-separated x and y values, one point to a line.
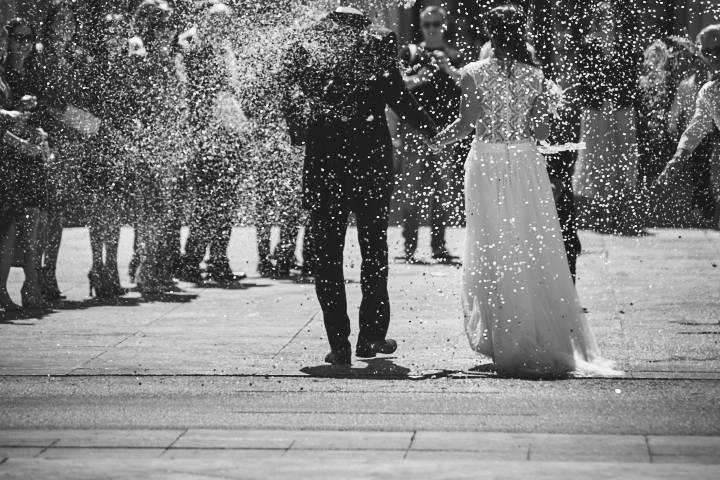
519	302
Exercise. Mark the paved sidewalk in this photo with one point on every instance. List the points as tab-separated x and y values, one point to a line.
216	383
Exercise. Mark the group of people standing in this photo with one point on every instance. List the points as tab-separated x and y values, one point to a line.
128	118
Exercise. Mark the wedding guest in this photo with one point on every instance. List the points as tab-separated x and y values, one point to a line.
565	128
157	145
432	76
105	177
27	169
690	196
607	169
10	202
218	136
654	100
705	118
59	63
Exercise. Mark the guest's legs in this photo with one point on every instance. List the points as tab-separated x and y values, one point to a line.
7	255
441	168
415	156
30	228
49	251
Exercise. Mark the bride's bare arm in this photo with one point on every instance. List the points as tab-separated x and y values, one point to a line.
469	113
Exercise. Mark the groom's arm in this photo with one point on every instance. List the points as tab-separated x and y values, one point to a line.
292	101
396	94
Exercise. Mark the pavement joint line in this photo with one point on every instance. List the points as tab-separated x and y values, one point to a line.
288	448
375	412
310	320
170	310
45	448
613	294
527	456
629	376
3	460
412	440
174	441
647	446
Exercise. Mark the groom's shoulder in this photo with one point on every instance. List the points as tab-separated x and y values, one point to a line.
381	35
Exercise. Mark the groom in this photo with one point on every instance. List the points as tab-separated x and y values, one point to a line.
338	80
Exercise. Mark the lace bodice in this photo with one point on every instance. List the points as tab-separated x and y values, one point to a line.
505	101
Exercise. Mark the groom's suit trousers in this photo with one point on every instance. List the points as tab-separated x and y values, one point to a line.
329	226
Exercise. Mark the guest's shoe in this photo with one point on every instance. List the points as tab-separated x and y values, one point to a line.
370	349
339	357
265	268
110	278
190	273
32	298
445	257
49	285
221	272
133	266
410	259
8	305
94	288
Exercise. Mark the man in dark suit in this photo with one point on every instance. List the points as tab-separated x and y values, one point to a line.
337	82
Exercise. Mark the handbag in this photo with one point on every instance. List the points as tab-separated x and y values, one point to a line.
81	120
228	112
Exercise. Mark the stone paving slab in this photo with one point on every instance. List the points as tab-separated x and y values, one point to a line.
348	467
485	445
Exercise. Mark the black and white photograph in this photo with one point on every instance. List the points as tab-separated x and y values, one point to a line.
359	239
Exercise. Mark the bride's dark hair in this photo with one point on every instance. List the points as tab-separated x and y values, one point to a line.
506	27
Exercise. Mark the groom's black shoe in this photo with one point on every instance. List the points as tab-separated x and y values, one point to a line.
339	357
370	349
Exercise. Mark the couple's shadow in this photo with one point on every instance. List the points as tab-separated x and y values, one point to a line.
386	369
373	368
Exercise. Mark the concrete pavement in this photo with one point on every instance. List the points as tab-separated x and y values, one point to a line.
154	389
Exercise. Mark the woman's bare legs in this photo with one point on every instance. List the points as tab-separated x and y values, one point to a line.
30	226
7	255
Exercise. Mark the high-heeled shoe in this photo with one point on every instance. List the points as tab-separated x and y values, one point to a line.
110	278
31	297
49	285
95	284
8	305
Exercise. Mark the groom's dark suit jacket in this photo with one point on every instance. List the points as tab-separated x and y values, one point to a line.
338	79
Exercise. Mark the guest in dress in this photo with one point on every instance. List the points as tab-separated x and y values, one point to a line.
11	207
217	138
105	175
607	170
27	169
59	64
157	144
654	143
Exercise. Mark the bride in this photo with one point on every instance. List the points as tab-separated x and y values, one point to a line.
519	302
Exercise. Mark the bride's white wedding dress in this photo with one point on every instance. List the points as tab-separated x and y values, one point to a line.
519	302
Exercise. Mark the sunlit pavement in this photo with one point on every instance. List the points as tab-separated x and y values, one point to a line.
217	383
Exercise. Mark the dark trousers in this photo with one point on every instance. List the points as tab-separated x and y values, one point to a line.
420	166
329	227
204	236
560	170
